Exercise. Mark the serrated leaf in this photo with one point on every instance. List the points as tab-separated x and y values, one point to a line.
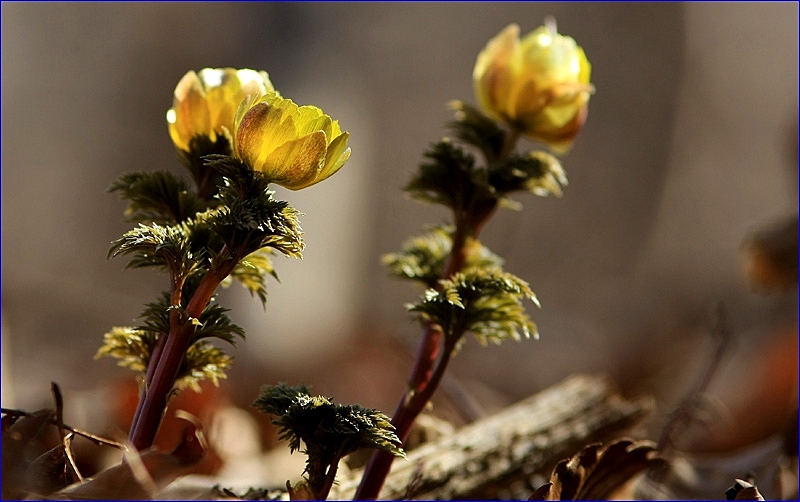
167	247
485	301
206	178
474	128
538	172
214	323
252	273
133	347
329	431
157	197
423	258
249	218
202	361
448	176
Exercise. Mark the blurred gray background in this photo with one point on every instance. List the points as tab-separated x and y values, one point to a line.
690	146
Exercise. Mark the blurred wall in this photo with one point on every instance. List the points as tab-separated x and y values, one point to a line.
686	150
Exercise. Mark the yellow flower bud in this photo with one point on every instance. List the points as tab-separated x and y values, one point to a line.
205	103
538	85
294	146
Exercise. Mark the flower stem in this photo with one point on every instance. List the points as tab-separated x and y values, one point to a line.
435	350
410	406
425	376
322	475
151	408
158	349
512	136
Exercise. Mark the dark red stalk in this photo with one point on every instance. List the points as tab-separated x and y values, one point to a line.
428	370
151	409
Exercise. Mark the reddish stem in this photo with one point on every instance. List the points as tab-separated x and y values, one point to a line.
512	136
426	374
154	404
158	349
410	406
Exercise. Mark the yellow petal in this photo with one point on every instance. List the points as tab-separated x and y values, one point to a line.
248	137
337	155
493	72
205	103
190	110
311	118
293	146
296	164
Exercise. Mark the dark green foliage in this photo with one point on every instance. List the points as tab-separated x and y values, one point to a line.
423	258
155	317
277	399
476	129
241	181
206	179
133	346
449	177
163	198
328	431
157	197
247	226
215	323
249	218
537	172
485	301
187	235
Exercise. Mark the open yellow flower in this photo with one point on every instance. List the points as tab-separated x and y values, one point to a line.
294	146
538	85
205	102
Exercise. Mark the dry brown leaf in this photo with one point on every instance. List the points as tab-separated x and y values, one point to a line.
596	471
743	490
770	258
50	472
31	461
141	476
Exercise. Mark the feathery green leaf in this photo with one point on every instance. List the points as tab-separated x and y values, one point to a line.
474	128
423	258
329	431
165	247
156	197
252	273
538	172
485	301
133	347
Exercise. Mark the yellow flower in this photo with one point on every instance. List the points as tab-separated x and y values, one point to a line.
294	146
205	103
538	85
